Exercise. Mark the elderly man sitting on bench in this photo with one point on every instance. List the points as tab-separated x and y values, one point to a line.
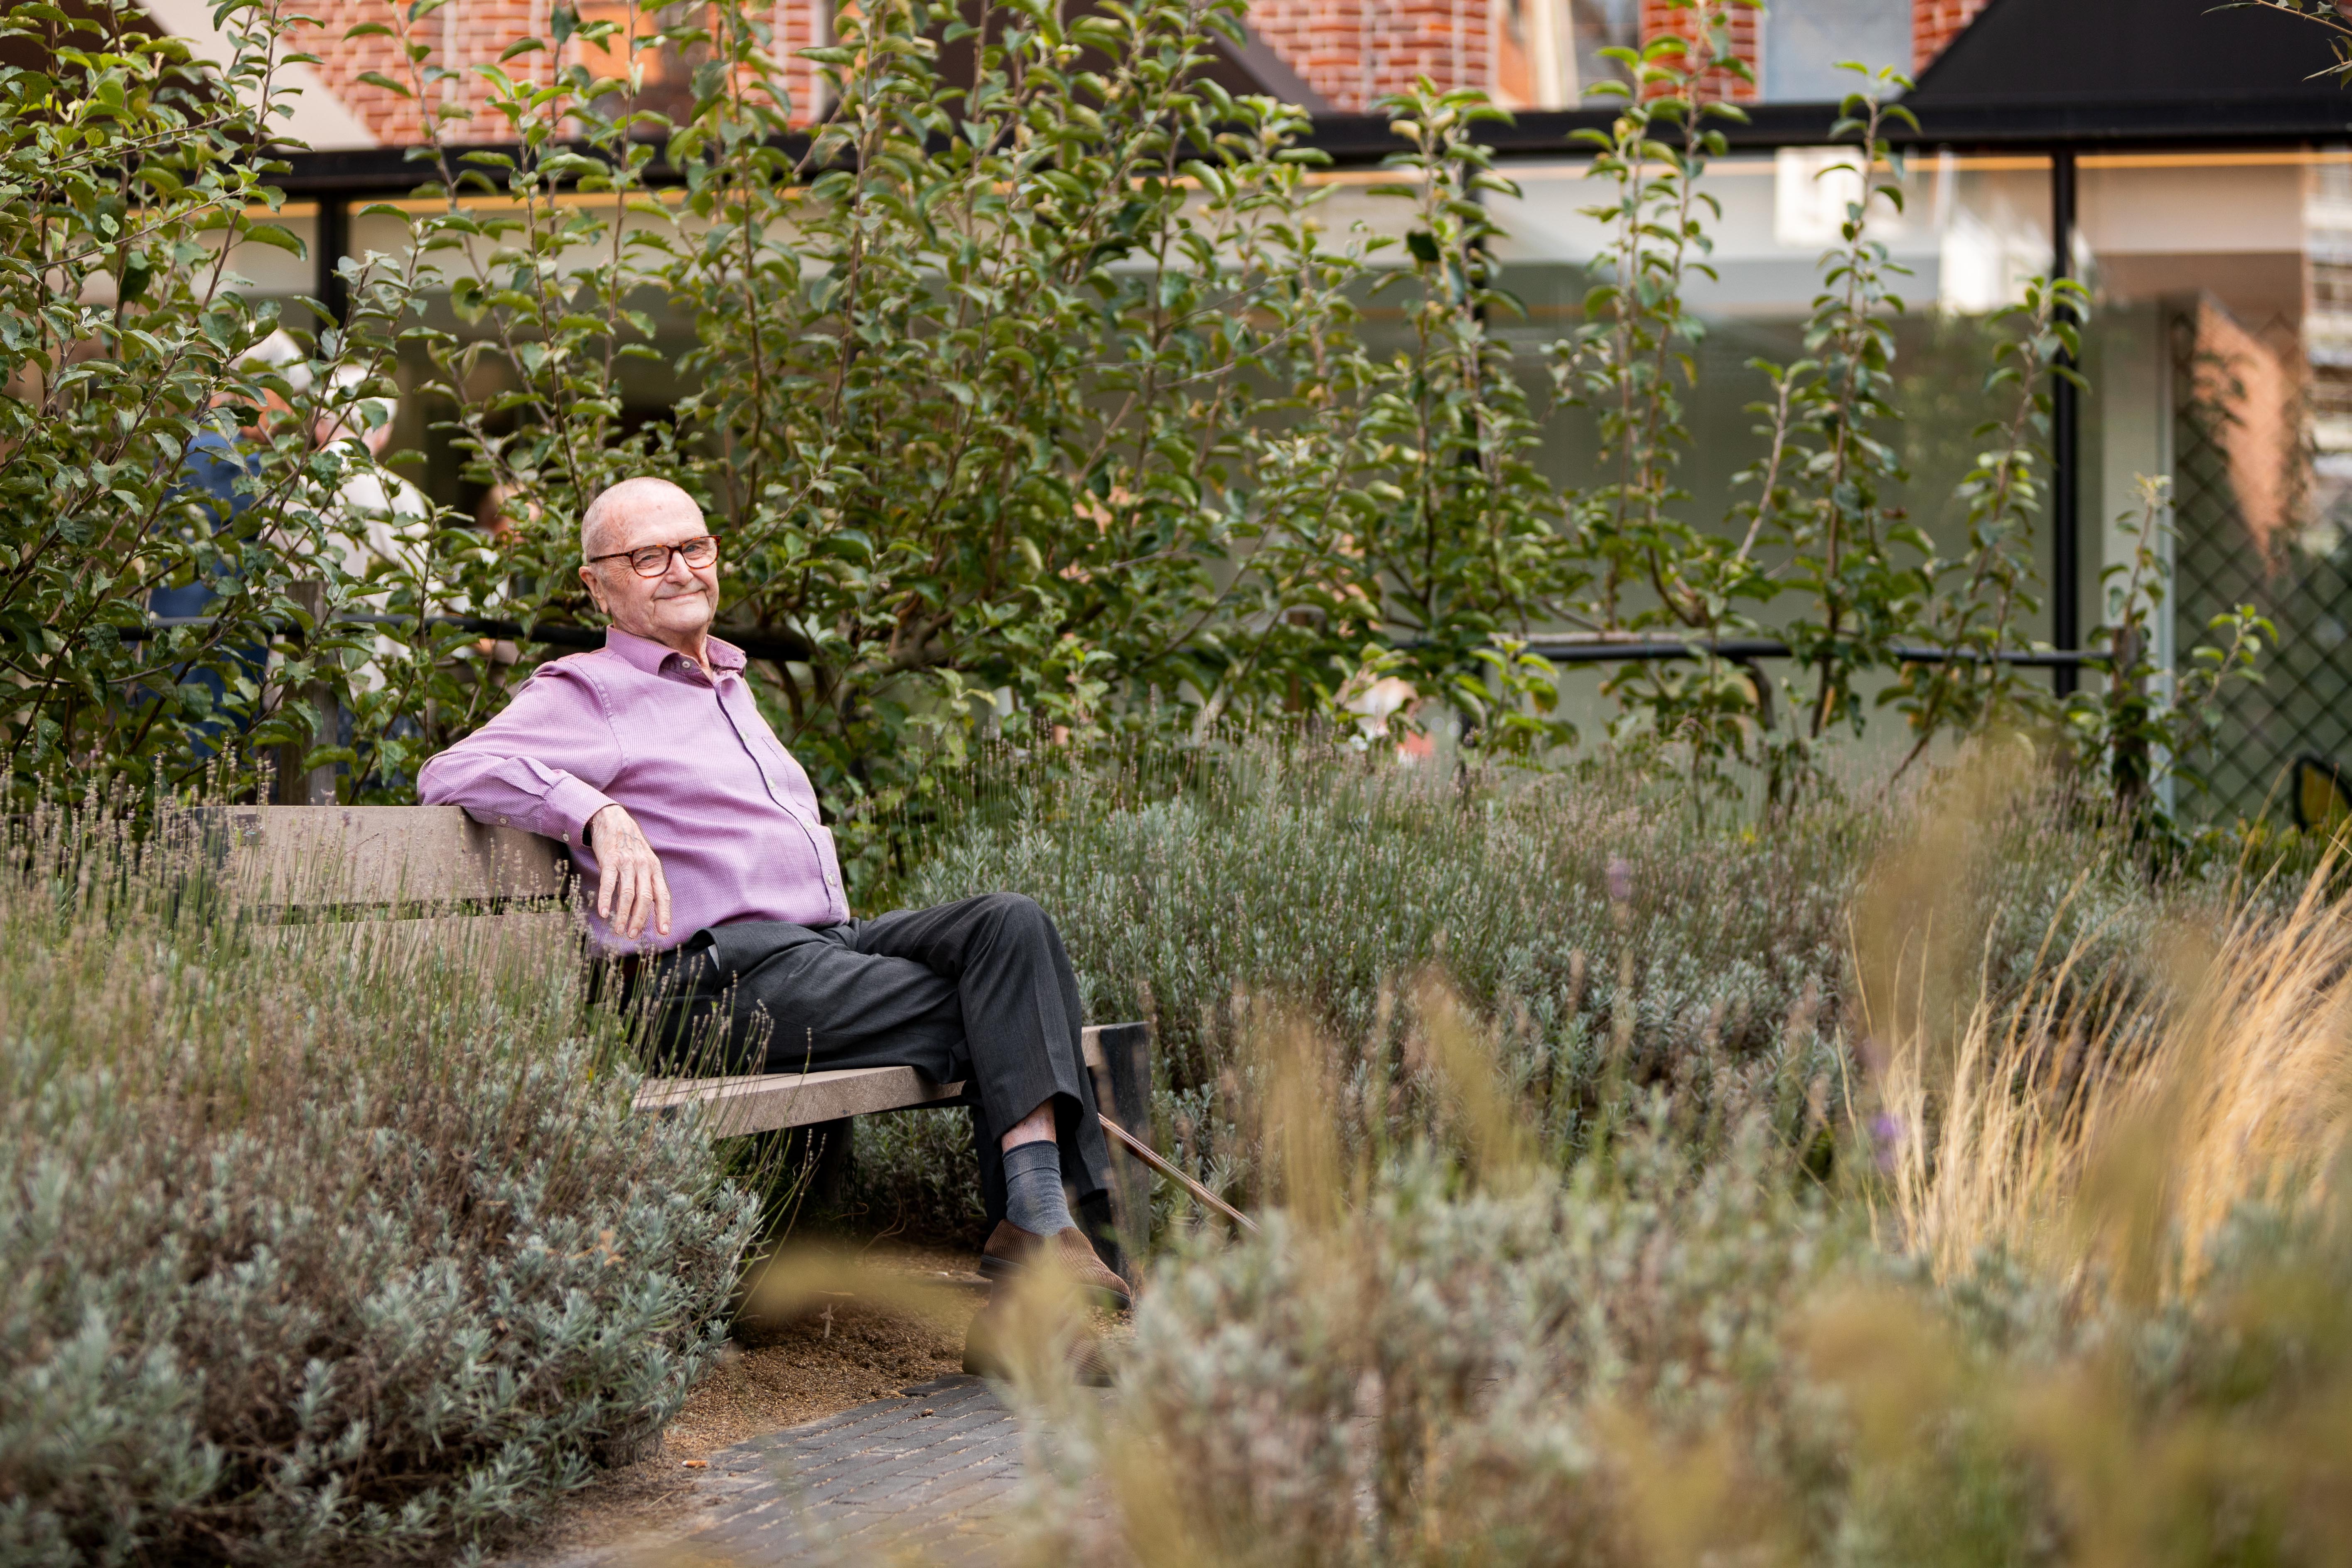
713	872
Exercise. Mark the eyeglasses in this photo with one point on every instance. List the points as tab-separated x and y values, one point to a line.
653	561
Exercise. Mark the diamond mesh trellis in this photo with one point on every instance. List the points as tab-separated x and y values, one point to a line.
2247	534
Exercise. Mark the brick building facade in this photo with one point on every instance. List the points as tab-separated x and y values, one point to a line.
1935	24
1745	27
1354	53
1350	54
465	34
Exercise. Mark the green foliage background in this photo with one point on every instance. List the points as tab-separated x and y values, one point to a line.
1037	390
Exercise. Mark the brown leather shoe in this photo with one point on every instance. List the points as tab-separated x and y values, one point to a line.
984	1349
1011	1249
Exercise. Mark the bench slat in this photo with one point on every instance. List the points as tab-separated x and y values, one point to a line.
296	857
479	937
765	1101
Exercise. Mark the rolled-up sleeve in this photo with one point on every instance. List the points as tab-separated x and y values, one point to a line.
542	764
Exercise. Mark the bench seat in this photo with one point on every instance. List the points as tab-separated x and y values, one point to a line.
432	870
764	1102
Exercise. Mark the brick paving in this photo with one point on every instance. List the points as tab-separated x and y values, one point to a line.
926	1478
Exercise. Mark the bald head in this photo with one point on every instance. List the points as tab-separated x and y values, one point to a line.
654	517
616	510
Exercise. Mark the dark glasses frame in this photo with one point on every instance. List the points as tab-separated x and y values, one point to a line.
653	559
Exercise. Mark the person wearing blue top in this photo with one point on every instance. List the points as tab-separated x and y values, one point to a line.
220	467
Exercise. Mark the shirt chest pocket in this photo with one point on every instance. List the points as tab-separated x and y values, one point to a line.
778	764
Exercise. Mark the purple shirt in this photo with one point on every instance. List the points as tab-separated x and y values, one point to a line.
724	806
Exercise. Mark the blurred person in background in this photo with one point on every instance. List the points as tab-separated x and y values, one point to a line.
377	523
219	471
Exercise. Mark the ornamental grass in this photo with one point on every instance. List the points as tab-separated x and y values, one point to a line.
2075	1286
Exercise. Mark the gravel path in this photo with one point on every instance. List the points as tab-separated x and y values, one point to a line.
926	1478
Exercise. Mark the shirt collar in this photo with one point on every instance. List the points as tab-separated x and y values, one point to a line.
651	657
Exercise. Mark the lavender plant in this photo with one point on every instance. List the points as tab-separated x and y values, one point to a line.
322	1241
1620	936
2097	1239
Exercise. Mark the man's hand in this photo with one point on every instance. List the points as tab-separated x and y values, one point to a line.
630	887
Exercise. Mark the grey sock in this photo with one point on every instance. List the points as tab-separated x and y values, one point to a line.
1034	1199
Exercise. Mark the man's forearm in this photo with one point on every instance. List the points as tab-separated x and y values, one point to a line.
516	792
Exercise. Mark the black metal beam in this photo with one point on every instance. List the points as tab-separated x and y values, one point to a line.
2065	440
1737	650
1576	650
360	171
331	242
2290	118
553	635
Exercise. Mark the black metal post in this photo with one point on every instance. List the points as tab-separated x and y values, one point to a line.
2066	443
328	247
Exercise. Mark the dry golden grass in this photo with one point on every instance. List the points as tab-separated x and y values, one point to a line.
2117	1146
1683	1349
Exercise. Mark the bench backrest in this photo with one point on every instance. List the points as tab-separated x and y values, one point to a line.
399	880
392	857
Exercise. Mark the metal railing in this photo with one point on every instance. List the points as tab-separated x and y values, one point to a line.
1741	650
757	644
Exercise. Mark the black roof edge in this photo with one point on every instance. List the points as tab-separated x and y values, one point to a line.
1272	72
1364	140
1960	125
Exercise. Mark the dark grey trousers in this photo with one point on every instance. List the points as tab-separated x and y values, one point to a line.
979	992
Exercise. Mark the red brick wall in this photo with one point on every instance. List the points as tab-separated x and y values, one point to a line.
1659	18
1357	52
389	117
1935	23
801	25
466	33
1323	41
1354	52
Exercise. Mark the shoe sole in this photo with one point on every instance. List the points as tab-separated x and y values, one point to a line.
998	1269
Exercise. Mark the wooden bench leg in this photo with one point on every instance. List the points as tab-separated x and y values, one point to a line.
1121	1065
831	1150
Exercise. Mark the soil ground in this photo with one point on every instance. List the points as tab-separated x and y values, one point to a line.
858	1325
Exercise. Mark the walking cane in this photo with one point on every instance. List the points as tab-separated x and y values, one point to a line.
1143	1152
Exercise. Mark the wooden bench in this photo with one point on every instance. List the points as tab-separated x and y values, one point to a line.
426	868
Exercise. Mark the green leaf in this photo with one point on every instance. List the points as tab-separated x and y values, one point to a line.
274	235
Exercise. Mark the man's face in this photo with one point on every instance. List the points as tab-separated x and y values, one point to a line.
673	609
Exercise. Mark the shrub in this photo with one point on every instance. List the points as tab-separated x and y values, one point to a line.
1030	376
1461	1370
1460	1354
149	463
319	1240
1617	933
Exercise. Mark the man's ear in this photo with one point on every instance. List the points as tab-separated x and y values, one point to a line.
595	589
